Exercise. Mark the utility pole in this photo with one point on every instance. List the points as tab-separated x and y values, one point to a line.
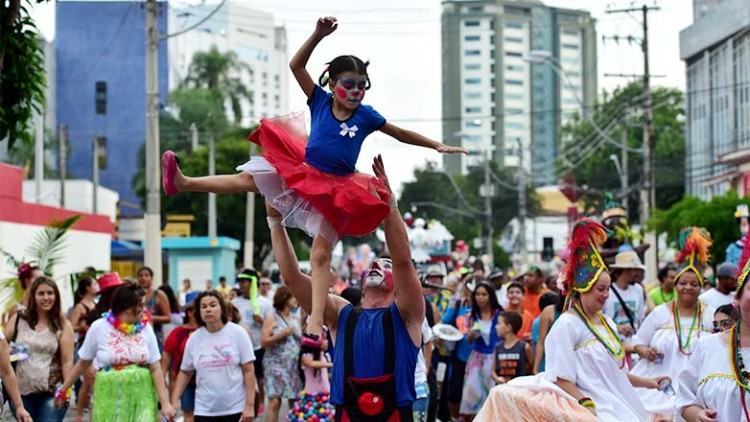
211	196
39	158
250	224
647	196
521	204
489	192
624	163
63	151
193	137
95	175
152	217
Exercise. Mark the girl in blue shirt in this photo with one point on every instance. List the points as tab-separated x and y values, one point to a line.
311	180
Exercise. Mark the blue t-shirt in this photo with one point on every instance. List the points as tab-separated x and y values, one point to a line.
333	145
369	355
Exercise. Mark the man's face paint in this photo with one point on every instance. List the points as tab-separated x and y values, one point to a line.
380	274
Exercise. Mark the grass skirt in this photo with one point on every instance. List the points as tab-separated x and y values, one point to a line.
125	395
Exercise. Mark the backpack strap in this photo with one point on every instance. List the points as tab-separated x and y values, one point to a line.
351	325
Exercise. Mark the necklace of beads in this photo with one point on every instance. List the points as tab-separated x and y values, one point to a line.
741	375
128	327
617	351
678	327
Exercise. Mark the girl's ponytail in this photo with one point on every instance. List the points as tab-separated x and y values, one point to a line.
325	76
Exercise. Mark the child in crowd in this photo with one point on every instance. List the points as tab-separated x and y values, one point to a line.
513	356
516	294
725	317
314	400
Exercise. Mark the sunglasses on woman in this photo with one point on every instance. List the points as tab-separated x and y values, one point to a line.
723	324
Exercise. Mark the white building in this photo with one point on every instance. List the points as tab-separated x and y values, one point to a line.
248	32
496	98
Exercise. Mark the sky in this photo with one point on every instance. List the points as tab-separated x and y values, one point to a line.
402	41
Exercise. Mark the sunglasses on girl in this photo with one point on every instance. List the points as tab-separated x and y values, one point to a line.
350	83
723	325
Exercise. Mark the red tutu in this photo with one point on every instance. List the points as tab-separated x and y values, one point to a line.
348	203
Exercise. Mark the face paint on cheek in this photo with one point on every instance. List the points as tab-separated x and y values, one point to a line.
341	93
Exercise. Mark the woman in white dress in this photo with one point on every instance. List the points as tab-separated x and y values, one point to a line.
668	336
585	376
715	383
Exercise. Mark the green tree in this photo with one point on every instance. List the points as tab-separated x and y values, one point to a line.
715	215
22	79
220	72
431	195
587	156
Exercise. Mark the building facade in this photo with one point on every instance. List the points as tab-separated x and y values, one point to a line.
252	35
101	88
497	101
716	51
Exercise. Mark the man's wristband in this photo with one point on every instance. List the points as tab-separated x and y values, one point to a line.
393	203
273	222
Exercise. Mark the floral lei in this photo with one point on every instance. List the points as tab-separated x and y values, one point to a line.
128	327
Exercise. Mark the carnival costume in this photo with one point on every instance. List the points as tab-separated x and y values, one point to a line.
674	336
313	183
122	352
734	250
588	355
715	376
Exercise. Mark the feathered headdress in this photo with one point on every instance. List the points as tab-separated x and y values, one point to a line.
585	264
744	265
694	244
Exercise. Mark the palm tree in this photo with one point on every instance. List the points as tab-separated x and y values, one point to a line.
220	72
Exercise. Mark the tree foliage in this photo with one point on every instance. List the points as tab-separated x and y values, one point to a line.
22	79
716	215
587	156
433	186
220	73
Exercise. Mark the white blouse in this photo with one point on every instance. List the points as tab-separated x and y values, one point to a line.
574	354
707	380
658	332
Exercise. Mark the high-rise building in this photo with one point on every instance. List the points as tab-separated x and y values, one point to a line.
251	34
716	51
101	88
513	73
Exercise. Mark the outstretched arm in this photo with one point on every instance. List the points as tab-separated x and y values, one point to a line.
409	297
323	27
298	282
413	138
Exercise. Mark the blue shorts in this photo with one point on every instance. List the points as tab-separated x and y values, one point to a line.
187	400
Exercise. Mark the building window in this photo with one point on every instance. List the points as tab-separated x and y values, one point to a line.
473	109
515	82
569	31
570	46
476	9
473	81
471	23
514	68
100	97
513	96
570	60
471	38
472	66
472	95
513	125
472	52
513	54
514	25
516	40
513	111
474	123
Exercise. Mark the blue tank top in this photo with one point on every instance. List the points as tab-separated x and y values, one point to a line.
368	353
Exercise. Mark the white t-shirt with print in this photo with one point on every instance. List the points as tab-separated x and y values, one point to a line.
714	298
216	359
245	307
635	300
107	346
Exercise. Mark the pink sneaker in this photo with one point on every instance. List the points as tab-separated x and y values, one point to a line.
168	172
